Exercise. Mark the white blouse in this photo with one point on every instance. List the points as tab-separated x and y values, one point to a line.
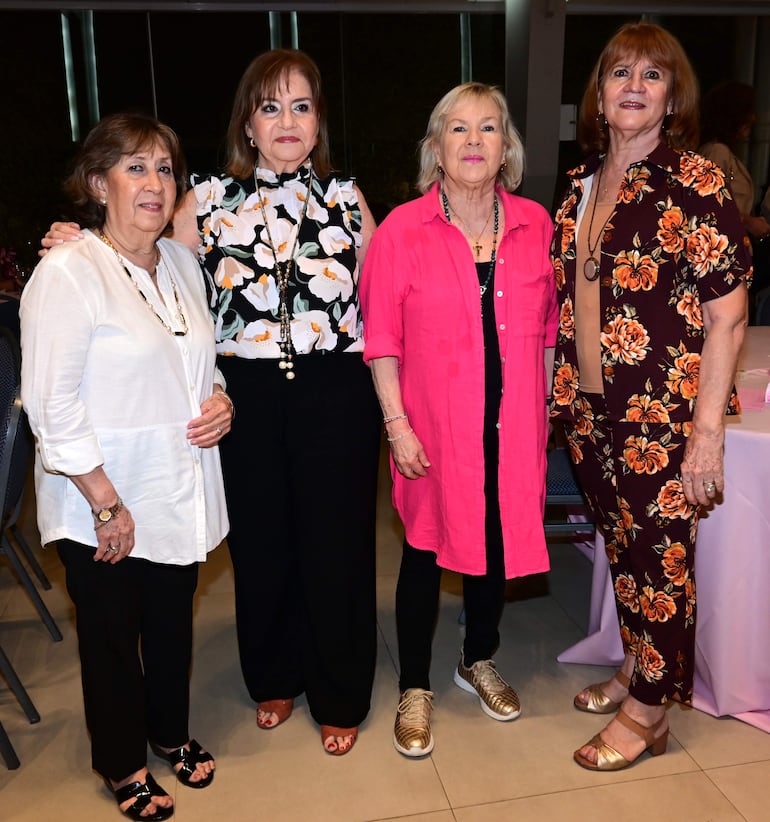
105	384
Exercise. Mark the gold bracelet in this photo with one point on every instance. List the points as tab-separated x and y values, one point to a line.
226	398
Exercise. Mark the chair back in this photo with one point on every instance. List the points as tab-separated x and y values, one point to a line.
15	437
564	498
763	307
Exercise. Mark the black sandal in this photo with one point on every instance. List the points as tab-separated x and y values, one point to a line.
188	759
143	793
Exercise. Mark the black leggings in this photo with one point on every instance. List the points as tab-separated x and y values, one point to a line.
417	599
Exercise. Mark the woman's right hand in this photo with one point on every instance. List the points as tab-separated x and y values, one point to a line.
59	233
115	538
409	455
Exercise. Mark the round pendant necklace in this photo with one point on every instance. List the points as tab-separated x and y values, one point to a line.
592	265
495	226
282	272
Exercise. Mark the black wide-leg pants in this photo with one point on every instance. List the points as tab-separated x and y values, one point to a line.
300	467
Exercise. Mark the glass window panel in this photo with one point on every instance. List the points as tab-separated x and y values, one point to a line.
35	135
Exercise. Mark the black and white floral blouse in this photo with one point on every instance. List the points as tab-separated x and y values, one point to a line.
237	257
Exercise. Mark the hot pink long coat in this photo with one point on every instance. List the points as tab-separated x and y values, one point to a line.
420	302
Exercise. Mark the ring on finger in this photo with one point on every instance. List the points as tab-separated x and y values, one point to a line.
114	548
219	430
709	487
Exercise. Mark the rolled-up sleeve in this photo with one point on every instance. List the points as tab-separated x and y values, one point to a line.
381	295
56	329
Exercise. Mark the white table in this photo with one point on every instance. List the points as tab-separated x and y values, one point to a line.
732	567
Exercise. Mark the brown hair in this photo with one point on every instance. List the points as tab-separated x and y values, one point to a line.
510	175
263	77
632	42
110	139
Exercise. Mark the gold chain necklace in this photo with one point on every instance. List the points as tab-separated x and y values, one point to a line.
179	315
477	242
496	211
282	272
592	265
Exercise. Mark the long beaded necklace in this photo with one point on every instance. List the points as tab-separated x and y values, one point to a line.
282	272
592	265
495	226
179	315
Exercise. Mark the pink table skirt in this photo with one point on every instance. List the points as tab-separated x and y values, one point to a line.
732	570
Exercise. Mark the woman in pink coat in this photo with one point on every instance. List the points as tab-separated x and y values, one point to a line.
458	299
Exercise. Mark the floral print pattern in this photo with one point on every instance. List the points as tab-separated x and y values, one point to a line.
237	256
674	241
652	283
629	472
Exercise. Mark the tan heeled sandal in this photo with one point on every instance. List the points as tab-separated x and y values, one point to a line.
608	759
281	708
334	739
598	701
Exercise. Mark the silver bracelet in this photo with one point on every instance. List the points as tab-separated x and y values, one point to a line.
386	420
400	436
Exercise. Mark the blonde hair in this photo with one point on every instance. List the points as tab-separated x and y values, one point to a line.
512	170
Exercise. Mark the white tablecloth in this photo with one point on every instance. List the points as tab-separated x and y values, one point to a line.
732	567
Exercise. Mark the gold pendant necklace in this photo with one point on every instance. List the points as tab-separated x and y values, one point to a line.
476	245
496	211
592	265
179	315
282	276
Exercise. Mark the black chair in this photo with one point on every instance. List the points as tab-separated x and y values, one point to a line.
15	458
564	500
762	316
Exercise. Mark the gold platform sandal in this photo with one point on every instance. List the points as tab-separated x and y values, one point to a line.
598	701
608	759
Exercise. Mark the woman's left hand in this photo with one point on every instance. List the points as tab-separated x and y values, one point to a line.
215	421
703	467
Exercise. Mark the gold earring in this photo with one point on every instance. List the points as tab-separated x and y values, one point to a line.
252	143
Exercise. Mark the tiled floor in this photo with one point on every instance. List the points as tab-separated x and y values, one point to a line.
480	770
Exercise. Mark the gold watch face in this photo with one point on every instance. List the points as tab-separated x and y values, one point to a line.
105	515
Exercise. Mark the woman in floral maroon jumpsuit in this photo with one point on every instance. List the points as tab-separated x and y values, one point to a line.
651	264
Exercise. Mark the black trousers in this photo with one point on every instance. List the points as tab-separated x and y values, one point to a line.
134	626
300	468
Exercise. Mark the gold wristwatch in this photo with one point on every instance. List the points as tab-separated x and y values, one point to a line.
105	515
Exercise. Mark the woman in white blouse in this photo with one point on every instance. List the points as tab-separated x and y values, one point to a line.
123	396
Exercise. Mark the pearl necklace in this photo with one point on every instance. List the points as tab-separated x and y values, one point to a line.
282	272
179	315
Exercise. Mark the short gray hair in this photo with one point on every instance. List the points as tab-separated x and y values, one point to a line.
510	175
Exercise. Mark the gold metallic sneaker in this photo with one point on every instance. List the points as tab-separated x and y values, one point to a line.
411	733
496	697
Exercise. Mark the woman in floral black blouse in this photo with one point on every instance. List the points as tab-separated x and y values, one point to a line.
651	264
